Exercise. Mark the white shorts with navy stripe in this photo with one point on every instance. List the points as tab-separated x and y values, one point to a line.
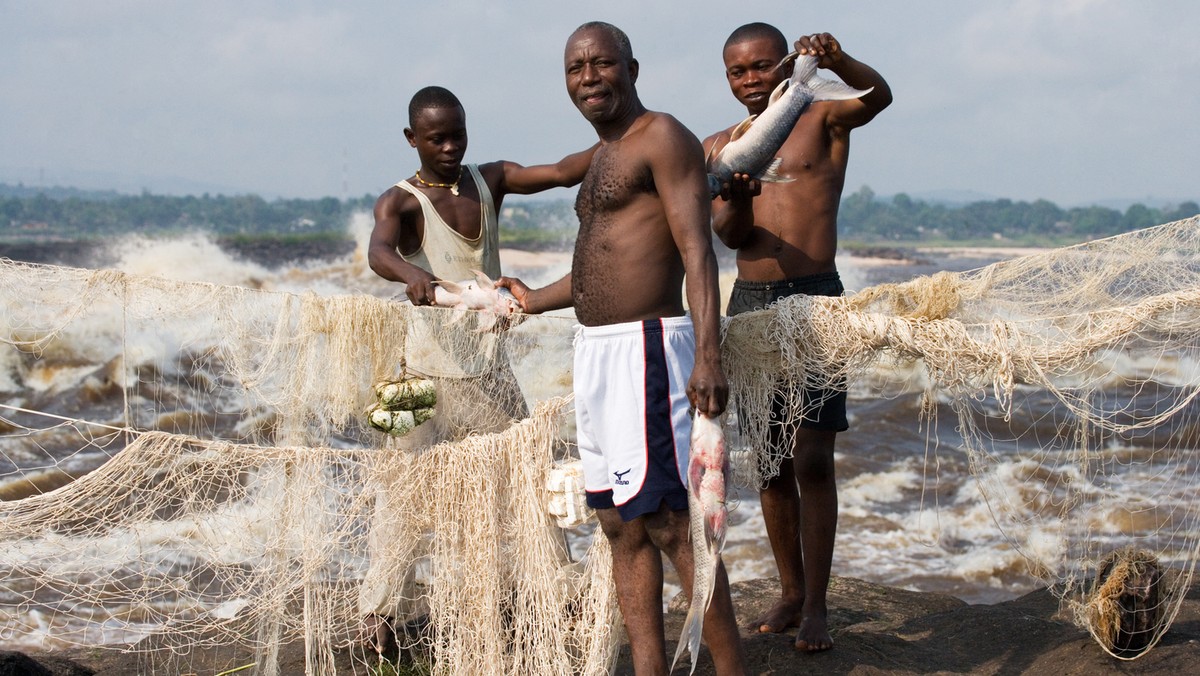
631	413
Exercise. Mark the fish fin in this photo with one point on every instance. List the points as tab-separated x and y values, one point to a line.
741	128
453	287
771	173
777	92
483	280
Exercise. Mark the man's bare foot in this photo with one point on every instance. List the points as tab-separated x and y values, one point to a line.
814	634
782	616
379	635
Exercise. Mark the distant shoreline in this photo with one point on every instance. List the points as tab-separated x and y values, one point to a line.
278	250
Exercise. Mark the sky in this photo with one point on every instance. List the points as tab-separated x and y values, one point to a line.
1074	101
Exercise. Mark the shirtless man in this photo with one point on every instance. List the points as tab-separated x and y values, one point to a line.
643	222
786	237
441	224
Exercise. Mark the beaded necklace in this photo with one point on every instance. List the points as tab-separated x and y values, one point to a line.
453	186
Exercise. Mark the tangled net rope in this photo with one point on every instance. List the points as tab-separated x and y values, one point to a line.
187	465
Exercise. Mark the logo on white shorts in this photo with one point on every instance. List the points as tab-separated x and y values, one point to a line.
620	480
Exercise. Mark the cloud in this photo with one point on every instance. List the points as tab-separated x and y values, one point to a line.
1017	98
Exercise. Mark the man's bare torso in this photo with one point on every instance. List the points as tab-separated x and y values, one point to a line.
795	223
626	265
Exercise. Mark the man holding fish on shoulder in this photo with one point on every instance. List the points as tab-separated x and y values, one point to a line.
782	220
640	360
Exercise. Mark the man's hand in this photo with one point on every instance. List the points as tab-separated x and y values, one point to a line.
421	289
741	188
707	389
823	46
518	289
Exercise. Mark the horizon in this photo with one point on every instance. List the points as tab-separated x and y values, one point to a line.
946	197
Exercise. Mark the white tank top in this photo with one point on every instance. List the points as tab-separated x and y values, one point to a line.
454	256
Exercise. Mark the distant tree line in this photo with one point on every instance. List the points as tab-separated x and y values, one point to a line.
864	217
83	216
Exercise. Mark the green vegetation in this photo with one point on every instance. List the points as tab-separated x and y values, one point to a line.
864	218
401	668
68	214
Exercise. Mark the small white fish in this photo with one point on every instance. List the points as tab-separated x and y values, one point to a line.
753	143
708	469
481	294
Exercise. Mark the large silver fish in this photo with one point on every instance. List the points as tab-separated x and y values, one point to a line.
708	469
753	143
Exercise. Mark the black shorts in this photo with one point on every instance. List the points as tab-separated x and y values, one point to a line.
830	415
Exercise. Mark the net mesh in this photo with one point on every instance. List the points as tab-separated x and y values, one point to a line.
1095	347
188	464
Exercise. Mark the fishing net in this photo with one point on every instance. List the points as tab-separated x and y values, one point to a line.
1096	347
216	482
185	465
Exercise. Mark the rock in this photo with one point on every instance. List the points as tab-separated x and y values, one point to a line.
882	630
877	630
13	663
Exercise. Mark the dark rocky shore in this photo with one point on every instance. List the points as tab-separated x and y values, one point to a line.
267	251
877	629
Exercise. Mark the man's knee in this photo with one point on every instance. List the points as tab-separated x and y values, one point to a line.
812	459
610	522
623	535
668	529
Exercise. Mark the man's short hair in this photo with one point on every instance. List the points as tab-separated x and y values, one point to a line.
757	31
431	97
618	36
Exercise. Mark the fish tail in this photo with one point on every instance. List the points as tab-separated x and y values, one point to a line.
806	76
693	624
830	90
690	638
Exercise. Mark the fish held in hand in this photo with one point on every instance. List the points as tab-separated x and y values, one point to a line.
480	294
708	470
753	143
708	466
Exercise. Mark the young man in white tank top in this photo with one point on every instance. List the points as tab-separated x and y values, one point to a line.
441	224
